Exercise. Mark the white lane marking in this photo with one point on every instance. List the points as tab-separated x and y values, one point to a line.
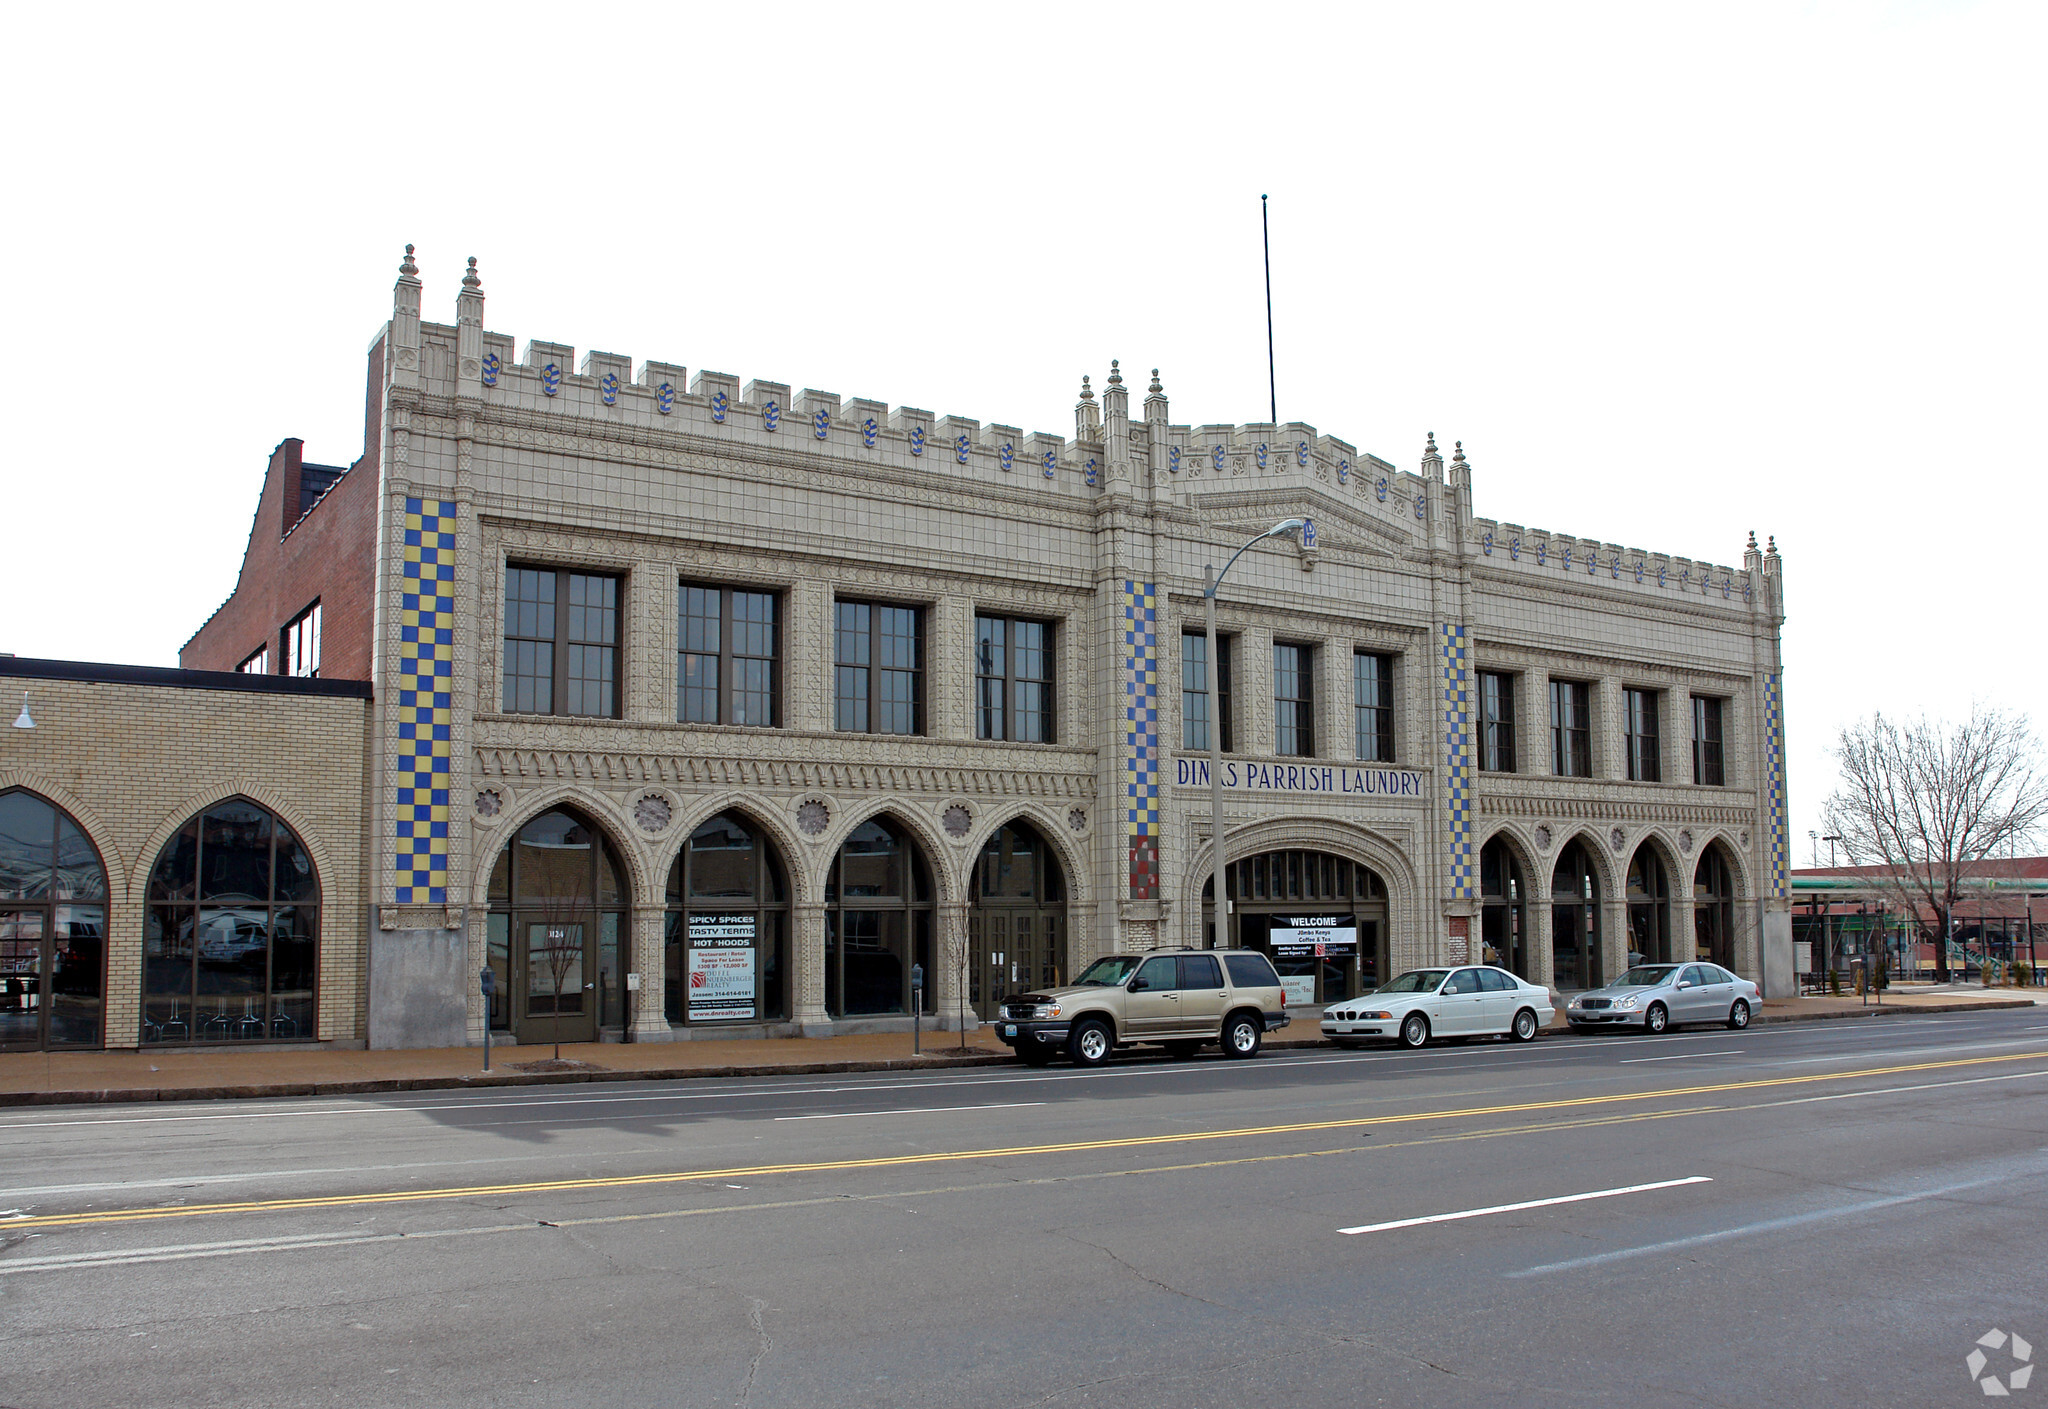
1531	1203
190	1181
1769	1225
914	1110
633	1094
1684	1056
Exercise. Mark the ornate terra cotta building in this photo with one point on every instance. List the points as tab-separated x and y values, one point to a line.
706	706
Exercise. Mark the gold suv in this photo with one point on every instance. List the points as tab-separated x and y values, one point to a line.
1176	998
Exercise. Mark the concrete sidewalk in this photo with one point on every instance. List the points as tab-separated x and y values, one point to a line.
168	1074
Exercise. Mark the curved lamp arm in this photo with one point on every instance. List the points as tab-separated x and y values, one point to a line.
1284	526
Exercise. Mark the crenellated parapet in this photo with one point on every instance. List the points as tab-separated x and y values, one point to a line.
1188	463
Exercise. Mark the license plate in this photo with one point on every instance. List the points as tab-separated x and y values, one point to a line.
1009	1029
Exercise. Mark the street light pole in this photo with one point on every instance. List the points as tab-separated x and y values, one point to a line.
1211	581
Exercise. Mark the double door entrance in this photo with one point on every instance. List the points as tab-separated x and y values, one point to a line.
50	979
1013	950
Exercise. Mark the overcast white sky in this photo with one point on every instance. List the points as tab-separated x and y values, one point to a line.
1670	272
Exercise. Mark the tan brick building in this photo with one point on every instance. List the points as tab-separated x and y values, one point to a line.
764	700
157	828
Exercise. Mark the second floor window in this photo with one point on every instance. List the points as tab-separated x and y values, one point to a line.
1372	692
1294	727
878	682
1571	753
1496	722
258	664
1200	701
726	656
561	643
302	644
1012	680
1707	769
1639	726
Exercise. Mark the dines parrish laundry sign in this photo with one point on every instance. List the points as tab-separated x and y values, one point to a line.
1344	780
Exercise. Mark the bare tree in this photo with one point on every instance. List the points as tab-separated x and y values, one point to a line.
1927	801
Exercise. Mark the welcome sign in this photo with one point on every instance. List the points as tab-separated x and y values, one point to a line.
1343	779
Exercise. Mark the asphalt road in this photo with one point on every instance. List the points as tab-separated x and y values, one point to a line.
1819	1214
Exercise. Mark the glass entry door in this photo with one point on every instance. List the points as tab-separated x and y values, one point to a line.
555	978
50	978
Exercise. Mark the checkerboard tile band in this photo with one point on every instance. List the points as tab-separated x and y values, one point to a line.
426	666
1776	834
1458	762
1141	737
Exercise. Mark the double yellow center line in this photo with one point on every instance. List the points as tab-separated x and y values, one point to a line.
1129	1142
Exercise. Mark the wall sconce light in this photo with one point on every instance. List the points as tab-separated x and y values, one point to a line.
22	720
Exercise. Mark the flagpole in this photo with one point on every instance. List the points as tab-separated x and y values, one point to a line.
1266	238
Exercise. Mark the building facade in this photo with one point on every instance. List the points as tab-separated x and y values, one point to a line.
706	707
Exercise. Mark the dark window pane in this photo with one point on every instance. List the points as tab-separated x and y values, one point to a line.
1200	971
1194	691
721	856
28	846
234	850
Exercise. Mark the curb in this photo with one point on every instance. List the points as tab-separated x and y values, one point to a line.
485	1081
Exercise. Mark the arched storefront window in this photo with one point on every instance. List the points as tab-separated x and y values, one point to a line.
1321	918
232	938
878	923
1713	909
726	934
1649	910
1503	909
558	912
1017	918
1575	919
53	928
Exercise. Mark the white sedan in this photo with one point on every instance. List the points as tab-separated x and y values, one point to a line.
1426	1003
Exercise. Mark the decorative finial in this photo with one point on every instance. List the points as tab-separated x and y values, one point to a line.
1774	544
1086	394
1155	388
1116	378
1430	449
470	280
408	268
1459	453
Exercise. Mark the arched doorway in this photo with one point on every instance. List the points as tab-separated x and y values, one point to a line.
1016	918
1503	909
53	929
878	923
726	934
1575	920
231	942
1322	919
1713	908
1649	910
558	912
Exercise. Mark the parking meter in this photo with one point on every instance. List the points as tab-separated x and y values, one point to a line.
916	1008
487	984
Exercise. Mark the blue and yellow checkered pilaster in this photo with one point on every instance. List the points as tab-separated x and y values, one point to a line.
1458	761
1777	836
1141	737
425	684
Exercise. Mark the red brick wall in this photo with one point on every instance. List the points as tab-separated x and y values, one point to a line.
329	555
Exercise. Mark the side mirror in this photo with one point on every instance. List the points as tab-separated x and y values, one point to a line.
1139	985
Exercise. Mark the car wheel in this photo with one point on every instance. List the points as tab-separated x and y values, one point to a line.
1181	1051
1036	1054
1090	1043
1738	1016
1656	1020
1414	1030
1524	1029
1243	1034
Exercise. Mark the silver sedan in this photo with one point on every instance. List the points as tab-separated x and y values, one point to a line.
1656	996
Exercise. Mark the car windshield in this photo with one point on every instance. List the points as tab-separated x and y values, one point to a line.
1645	976
1415	981
1105	973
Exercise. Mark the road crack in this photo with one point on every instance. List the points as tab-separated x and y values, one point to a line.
755	1306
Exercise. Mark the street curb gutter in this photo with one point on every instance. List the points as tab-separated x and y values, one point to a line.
483	1081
